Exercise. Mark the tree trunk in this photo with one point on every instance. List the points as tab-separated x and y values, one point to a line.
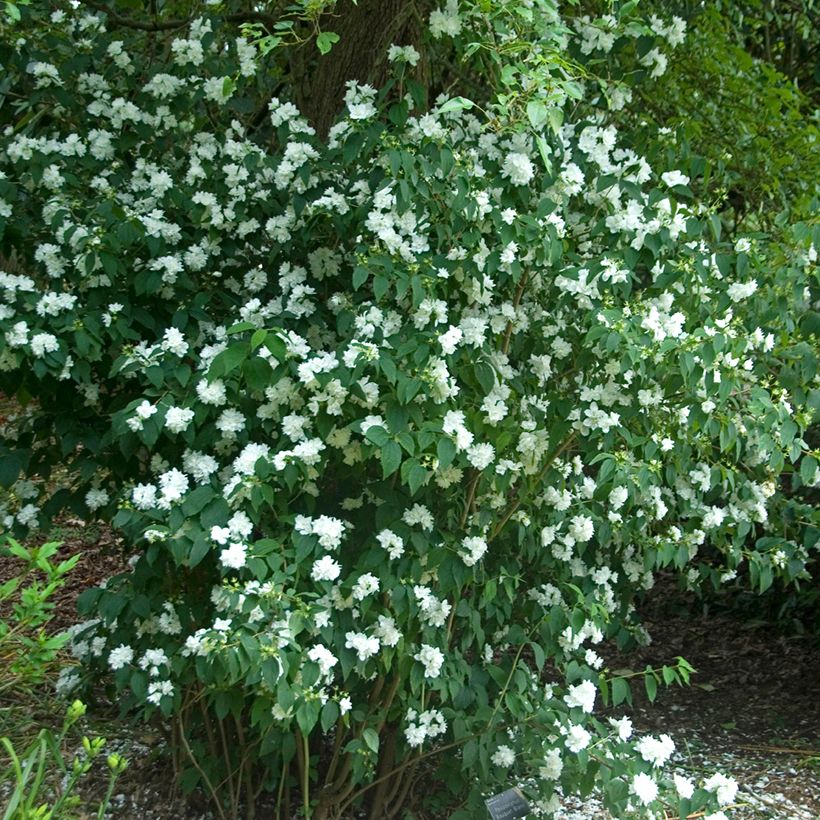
366	31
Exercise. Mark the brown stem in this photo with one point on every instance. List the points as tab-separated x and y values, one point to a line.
468	503
245	774
402	766
519	291
387	759
337	748
205	779
226	754
399	793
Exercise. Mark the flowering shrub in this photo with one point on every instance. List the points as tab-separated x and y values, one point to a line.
400	421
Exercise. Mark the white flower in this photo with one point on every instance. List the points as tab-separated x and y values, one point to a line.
518	168
325	569
157	690
583	695
644	788
450	340
28	515
121	656
145	410
177	419
218	89
329	531
391	542
685	787
42	343
725	787
553	765
323	657
475	547
366	585
623	726
672	178
432	658
428	724
577	738
387	632
211	392
581	528
503	756
173	485
617	497
444	21
403	54
95	499
366	646
230	422
481	455
144	496
235	556
738	291
174	342
419	515
655	750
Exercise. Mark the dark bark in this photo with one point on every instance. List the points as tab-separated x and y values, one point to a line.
366	31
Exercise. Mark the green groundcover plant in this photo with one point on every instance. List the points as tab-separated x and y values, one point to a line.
398	419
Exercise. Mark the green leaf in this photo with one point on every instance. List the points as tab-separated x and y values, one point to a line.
620	691
228	87
378	435
197	500
417	477
446	451
371	738
651	685
360	277
808	468
330	714
556	119
229	360
456	104
485	376
544	150
390	458
627	7
537	114
325	41
258	338
716	225
201	547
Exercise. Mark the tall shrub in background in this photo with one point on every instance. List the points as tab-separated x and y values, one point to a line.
398	418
